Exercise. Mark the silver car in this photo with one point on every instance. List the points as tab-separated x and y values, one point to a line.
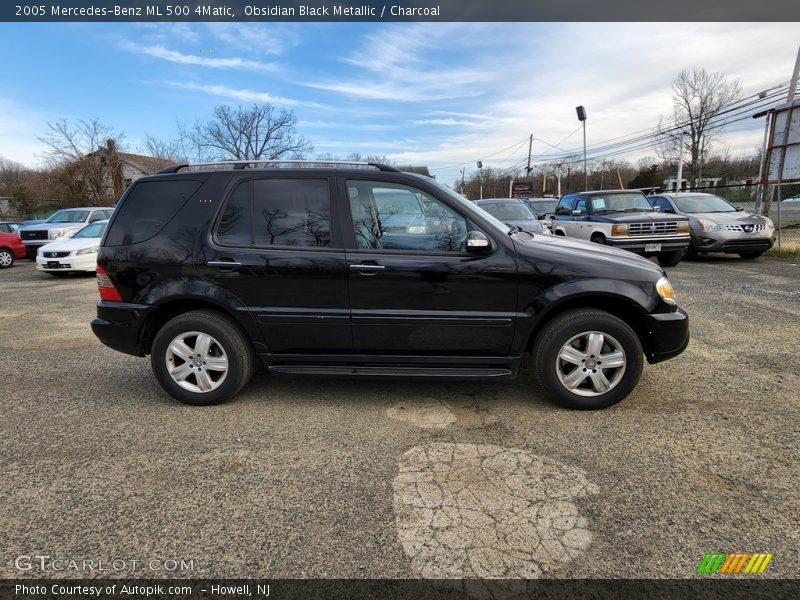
718	226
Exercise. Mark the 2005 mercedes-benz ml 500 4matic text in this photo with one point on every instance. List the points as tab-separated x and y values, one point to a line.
207	268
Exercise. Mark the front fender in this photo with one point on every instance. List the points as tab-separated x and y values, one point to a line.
601	293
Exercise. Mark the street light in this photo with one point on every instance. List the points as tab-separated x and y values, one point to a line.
480	174
582	118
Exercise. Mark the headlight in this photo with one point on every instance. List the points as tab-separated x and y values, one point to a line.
664	289
57	233
769	222
707	225
618	229
92	250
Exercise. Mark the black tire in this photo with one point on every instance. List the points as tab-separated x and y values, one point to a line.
30	253
559	232
599	238
691	253
750	255
227	337
618	335
670	259
6	258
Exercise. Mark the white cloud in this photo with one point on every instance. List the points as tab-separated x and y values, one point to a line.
174	56
256	38
238	94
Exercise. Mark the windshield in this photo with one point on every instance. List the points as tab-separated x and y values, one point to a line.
633	202
543	206
468	207
509	211
69	216
701	204
95	230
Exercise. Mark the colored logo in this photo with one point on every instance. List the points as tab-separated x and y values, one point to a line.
734	563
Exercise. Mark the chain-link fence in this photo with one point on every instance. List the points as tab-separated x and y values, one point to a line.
781	205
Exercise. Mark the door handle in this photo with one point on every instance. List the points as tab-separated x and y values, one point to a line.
367	269
224	264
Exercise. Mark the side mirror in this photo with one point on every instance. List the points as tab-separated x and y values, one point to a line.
576	213
739	208
478	243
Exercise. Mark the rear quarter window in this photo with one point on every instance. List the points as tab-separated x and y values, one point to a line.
147	209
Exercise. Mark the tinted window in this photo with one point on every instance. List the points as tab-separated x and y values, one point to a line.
236	224
291	212
565	205
397	217
147	208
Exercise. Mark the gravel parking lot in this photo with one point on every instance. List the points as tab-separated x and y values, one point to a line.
319	478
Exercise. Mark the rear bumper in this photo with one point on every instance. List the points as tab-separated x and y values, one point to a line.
639	245
119	325
669	335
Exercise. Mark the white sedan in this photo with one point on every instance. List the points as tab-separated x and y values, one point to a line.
76	253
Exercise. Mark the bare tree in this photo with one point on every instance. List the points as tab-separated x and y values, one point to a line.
259	131
697	97
81	173
167	150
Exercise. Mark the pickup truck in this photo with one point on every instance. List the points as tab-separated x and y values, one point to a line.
61	224
623	219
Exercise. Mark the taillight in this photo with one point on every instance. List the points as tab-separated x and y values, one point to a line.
106	287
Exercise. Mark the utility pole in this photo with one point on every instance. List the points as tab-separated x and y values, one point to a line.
480	174
511	188
528	168
462	180
678	185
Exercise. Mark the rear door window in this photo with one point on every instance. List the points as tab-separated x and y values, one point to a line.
147	209
277	212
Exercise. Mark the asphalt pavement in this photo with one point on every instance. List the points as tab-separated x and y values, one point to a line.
316	478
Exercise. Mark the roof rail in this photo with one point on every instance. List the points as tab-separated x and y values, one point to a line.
264	164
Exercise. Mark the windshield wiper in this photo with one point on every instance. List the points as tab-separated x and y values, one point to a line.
514	229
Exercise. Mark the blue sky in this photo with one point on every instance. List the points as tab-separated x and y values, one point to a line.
438	94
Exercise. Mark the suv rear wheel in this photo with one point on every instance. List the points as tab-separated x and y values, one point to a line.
202	358
587	359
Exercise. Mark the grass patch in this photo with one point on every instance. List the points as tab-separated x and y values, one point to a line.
787	251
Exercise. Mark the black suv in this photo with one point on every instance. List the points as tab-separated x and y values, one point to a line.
363	270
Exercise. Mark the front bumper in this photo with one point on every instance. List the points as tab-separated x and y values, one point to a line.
639	245
733	242
120	326
84	262
668	335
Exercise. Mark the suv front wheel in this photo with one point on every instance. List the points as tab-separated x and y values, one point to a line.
587	359
201	358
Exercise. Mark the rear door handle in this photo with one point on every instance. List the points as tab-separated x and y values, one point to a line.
224	264
367	269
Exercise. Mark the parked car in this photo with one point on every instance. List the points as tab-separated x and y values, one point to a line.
543	208
623	219
74	254
61	224
718	226
209	269
9	226
793	199
11	248
512	212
